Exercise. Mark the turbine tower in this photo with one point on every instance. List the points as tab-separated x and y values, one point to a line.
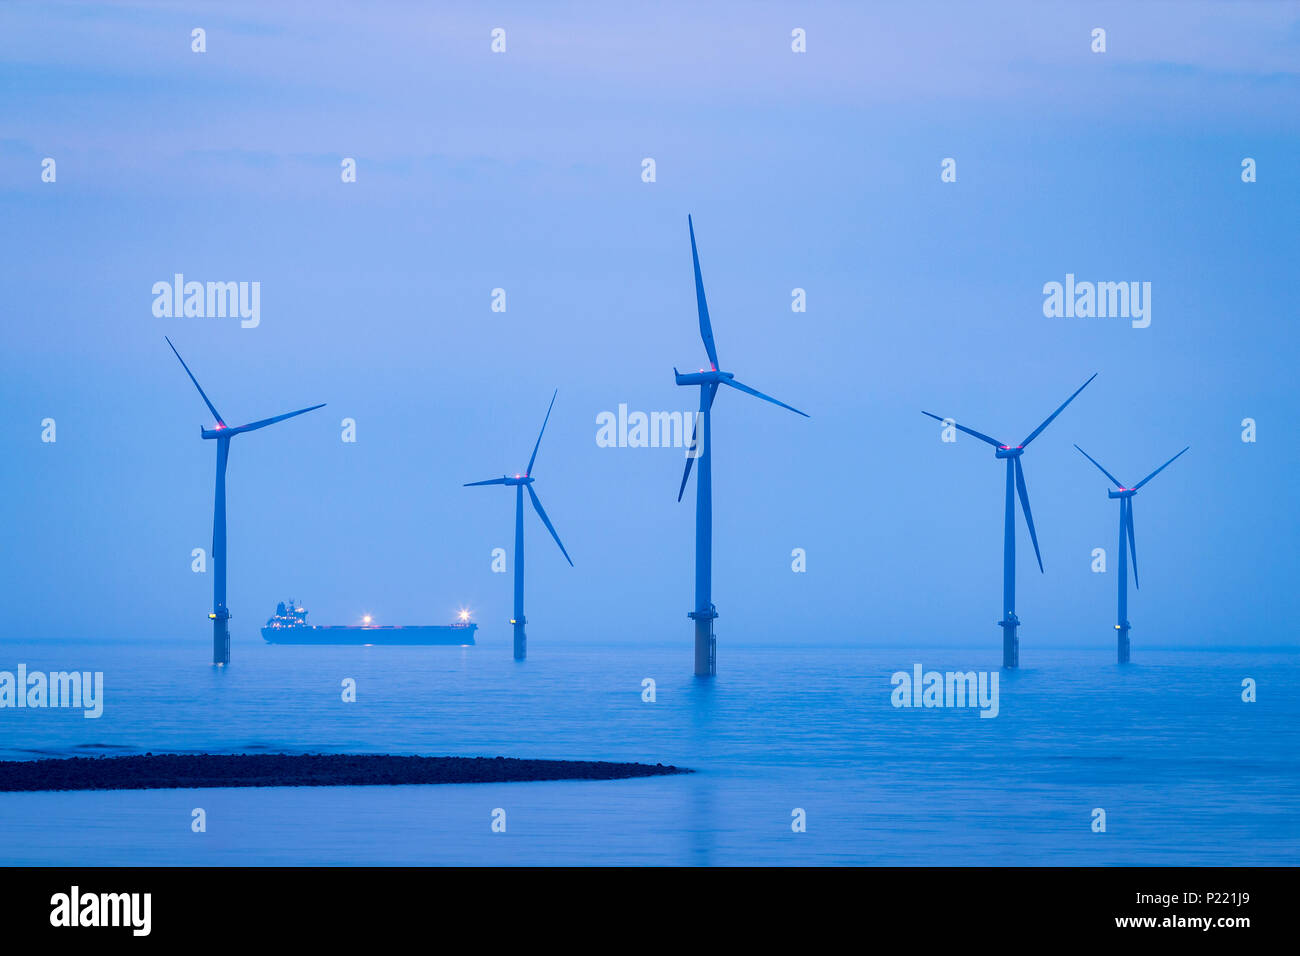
705	613
222	433
1016	481
520	482
1125	496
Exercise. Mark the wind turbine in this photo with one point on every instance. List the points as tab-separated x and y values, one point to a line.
223	433
1125	496
520	482
1016	478
705	613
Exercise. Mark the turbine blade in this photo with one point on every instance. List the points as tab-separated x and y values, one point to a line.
757	394
1132	543
1024	506
1052	417
969	431
490	481
539	434
547	521
706	328
1118	483
686	476
253	426
690	459
1160	469
212	408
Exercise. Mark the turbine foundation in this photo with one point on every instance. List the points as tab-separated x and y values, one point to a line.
521	640
1010	641
220	636
706	657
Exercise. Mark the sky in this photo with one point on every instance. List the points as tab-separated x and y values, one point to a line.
523	171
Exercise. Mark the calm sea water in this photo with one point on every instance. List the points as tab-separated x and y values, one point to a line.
1187	772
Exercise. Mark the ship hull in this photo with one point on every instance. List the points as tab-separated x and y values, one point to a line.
421	635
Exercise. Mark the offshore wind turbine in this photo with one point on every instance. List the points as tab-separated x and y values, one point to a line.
705	612
520	482
1016	480
1125	496
222	434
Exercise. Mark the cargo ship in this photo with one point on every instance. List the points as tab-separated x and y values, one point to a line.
289	626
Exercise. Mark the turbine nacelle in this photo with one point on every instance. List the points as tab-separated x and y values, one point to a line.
1016	481
711	379
508	480
702	377
225	431
1124	494
525	480
1120	491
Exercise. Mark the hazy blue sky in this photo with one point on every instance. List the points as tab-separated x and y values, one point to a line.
522	170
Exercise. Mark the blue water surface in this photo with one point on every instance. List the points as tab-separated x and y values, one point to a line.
1186	772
